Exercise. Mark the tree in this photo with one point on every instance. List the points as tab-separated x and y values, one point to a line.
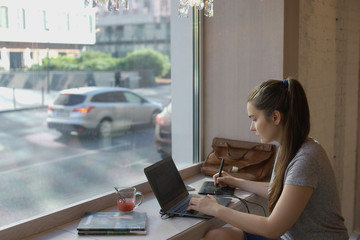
146	59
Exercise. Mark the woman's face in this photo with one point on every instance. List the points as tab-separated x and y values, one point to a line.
267	129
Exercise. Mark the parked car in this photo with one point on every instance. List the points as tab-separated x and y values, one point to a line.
163	131
100	110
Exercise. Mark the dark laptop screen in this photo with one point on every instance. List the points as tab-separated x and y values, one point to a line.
166	183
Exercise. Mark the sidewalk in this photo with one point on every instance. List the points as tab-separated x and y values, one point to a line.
13	99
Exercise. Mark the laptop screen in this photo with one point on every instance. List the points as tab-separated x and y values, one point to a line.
166	183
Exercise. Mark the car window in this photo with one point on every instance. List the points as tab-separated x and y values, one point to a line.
102	97
69	99
132	98
118	97
109	97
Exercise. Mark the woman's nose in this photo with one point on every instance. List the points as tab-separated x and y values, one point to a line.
252	127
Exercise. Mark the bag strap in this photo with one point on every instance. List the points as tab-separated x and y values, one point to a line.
228	154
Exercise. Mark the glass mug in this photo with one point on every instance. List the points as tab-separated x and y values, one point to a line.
126	198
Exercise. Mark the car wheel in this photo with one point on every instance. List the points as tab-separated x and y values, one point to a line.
105	128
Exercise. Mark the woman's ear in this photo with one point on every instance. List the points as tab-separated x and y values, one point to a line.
276	117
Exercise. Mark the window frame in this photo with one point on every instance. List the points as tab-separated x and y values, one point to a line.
197	84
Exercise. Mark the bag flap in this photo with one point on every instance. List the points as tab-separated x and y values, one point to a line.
223	143
240	153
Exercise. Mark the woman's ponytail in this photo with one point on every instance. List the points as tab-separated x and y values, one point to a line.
289	98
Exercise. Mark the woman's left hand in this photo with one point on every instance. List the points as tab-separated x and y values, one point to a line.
205	204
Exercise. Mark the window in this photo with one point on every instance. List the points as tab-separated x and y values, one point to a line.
109	97
119	97
120	31
108	31
45	21
46	169
164	7
4	22
90	24
132	98
147	6
69	99
21	18
139	31
68	22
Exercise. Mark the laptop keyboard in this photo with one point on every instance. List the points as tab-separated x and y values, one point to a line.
181	208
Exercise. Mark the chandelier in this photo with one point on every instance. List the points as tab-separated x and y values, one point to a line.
206	5
109	4
184	5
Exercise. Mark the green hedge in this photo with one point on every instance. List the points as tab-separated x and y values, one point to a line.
146	59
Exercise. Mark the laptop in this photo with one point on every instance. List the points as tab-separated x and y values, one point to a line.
170	190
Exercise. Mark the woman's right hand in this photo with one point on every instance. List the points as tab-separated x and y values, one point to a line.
259	188
224	180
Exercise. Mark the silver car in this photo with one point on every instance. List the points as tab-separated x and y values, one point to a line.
100	110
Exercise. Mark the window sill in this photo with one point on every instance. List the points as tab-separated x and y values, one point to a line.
43	223
177	228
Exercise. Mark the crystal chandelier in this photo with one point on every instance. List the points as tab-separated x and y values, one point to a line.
207	5
109	4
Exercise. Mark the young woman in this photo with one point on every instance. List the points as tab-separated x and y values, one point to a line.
302	194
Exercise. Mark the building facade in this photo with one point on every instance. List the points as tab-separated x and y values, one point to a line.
145	25
33	30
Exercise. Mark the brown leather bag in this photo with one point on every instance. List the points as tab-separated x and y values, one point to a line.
247	160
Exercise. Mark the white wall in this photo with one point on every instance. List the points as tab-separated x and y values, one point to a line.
243	46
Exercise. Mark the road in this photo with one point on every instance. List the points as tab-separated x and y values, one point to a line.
42	171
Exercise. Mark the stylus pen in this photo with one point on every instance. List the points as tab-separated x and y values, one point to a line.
220	169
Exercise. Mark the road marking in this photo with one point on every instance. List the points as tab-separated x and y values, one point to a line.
61	159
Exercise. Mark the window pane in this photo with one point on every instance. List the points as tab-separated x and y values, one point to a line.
69	99
132	98
68	133
4	17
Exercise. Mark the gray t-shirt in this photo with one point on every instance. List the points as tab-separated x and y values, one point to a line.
321	218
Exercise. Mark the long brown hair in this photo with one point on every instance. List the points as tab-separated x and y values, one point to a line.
289	98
